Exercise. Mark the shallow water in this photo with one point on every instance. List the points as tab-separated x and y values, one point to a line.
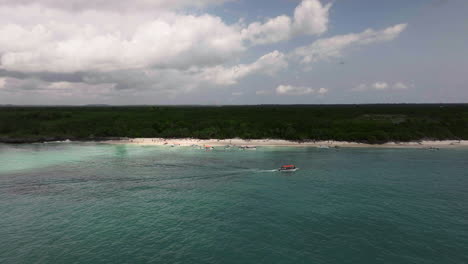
98	203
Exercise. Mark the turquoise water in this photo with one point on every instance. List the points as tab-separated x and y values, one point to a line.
97	203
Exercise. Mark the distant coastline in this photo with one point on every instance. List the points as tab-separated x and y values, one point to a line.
286	143
300	124
237	142
30	140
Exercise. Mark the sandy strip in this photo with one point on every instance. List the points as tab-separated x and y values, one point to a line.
285	143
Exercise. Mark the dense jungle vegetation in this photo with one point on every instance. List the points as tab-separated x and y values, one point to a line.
362	123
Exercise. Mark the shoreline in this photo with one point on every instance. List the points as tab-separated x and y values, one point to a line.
236	142
285	143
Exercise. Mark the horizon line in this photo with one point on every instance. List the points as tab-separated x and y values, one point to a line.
215	105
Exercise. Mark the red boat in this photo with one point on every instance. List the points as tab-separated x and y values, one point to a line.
288	168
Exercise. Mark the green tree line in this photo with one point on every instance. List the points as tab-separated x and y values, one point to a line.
361	123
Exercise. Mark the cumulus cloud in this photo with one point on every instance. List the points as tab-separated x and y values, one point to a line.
163	81
322	91
185	80
269	64
298	90
310	18
141	46
274	30
333	47
381	86
172	40
113	5
100	41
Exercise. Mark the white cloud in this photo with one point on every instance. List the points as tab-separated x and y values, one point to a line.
113	5
172	40
310	18
177	81
60	41
274	30
237	93
65	47
322	91
167	81
333	47
293	90
269	64
380	86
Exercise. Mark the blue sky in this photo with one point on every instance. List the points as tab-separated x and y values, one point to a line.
228	52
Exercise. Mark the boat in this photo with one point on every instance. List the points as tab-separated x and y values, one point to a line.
288	168
248	148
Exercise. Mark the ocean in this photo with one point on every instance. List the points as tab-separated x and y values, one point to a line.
102	203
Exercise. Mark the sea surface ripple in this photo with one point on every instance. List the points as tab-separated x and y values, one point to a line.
100	203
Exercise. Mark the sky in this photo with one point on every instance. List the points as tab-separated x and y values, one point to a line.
223	52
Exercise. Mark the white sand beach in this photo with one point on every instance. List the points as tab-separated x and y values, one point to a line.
285	143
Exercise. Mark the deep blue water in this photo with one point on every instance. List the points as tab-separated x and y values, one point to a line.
98	203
